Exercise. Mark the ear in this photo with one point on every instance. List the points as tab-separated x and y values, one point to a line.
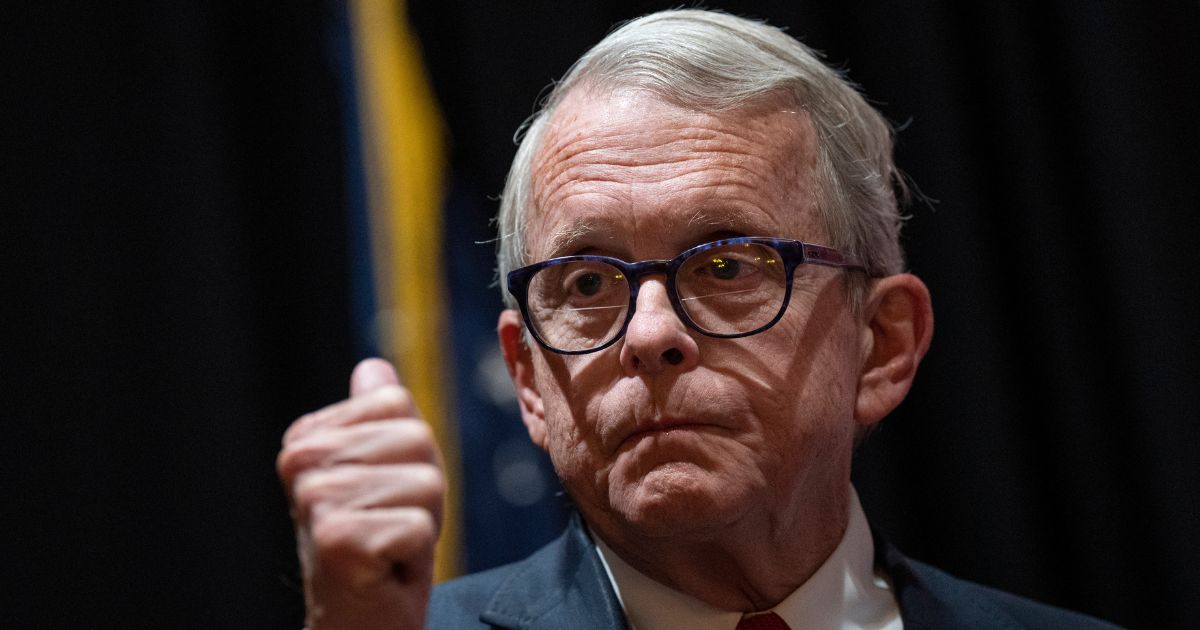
897	328
519	359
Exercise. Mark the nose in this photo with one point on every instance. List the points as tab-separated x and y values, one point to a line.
656	340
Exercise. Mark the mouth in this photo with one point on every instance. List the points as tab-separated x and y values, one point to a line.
663	426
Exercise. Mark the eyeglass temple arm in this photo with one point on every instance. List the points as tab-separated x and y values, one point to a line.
820	255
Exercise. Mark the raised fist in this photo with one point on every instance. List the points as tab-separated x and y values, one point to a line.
366	487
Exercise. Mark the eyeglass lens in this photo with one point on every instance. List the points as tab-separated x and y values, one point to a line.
724	290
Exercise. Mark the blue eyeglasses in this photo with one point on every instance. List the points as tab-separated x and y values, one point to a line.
733	287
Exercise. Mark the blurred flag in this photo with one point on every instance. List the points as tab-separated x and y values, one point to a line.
397	162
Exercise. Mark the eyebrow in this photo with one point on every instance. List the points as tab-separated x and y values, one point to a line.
567	237
726	219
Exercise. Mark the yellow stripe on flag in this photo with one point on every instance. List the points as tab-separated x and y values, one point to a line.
404	160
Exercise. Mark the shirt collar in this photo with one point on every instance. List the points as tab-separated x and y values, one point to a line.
845	592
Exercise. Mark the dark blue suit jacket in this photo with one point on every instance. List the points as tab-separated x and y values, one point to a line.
564	587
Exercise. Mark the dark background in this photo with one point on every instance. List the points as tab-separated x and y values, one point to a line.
176	282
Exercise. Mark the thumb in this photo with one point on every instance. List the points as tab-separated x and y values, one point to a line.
371	374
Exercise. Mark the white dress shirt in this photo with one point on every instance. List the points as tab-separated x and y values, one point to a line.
847	592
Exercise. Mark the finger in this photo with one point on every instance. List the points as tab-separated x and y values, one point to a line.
379	442
361	549
371	374
321	492
385	401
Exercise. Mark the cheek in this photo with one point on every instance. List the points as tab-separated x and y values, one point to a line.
573	422
804	396
565	442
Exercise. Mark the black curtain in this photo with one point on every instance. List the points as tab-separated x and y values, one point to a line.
176	286
174	188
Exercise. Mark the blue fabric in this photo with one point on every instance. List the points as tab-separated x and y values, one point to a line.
564	587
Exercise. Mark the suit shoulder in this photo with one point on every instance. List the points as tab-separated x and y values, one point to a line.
1008	610
458	603
461	602
554	587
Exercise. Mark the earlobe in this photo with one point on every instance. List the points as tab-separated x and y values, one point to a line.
897	329
519	359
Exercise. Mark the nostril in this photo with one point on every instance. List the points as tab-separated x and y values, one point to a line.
673	356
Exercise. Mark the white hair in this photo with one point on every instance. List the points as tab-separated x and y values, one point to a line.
719	63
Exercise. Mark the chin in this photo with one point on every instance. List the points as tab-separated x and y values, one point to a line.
678	499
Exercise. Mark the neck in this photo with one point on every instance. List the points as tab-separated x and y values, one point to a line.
748	565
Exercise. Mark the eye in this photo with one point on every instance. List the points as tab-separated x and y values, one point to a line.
586	281
589	283
736	264
724	268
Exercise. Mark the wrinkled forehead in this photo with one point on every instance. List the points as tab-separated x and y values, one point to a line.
622	151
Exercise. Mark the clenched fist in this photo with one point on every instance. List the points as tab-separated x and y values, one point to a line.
366	487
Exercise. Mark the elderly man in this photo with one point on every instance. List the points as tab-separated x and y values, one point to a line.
707	307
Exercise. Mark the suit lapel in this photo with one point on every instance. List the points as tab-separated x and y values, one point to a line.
562	587
931	600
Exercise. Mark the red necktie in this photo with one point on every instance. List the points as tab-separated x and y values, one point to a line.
764	621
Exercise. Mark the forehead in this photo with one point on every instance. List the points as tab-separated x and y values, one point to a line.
630	168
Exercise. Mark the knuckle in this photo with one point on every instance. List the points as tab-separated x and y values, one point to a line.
335	537
282	465
297	427
288	466
420	432
300	456
308	491
395	398
423	528
430	479
427	497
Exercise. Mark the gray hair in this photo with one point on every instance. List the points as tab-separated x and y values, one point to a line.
719	63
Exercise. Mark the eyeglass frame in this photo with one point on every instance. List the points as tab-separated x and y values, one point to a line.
793	253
